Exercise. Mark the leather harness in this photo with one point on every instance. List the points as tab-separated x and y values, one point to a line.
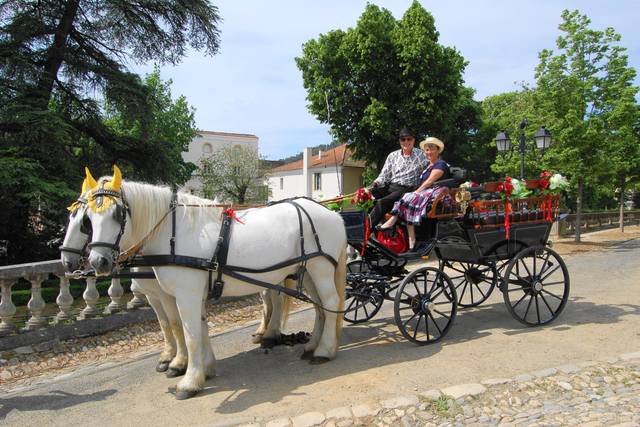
218	262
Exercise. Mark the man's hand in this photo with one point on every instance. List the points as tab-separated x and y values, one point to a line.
375	184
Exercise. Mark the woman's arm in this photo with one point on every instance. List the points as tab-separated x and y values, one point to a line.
435	175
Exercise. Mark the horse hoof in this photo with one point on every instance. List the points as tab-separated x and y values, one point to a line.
185	394
268	343
307	355
317	360
174	372
162	366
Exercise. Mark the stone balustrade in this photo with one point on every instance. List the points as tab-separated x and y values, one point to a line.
36	273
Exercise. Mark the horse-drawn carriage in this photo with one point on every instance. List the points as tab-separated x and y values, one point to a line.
186	248
480	244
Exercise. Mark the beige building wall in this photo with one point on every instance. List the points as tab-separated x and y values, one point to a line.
205	144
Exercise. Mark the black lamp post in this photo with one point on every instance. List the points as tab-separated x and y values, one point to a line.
542	139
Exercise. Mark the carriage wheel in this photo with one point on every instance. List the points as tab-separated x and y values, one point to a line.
535	286
363	297
474	282
425	305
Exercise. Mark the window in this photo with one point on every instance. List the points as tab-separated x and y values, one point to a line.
282	183
206	149
317	181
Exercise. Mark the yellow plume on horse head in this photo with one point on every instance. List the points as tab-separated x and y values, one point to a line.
102	202
87	185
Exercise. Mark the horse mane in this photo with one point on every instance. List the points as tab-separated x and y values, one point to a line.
154	201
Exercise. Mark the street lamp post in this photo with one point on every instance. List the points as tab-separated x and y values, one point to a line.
542	139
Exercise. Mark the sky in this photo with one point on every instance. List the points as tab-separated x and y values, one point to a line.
253	85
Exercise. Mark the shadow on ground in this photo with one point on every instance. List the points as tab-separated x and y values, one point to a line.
53	401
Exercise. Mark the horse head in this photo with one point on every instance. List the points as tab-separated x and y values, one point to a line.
78	231
107	211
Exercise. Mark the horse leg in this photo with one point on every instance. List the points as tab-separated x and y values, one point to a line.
151	292
267	309
178	365
330	290
272	332
207	351
189	302
318	324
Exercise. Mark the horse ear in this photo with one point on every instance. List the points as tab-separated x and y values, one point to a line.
85	187
89	180
116	181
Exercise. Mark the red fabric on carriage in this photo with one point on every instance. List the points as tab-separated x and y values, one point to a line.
394	240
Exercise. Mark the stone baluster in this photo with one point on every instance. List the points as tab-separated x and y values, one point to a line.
117	297
64	300
7	309
36	304
137	301
90	296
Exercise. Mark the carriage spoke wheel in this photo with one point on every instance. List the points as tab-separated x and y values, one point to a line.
425	305
474	282
535	286
363	297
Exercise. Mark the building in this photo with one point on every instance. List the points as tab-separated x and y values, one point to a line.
204	145
321	175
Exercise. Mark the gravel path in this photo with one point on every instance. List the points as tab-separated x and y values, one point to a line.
589	394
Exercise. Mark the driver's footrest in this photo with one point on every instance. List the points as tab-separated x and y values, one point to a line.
420	250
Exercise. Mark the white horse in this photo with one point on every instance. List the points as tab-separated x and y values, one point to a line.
267	236
173	358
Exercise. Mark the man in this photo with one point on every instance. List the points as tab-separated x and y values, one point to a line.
399	175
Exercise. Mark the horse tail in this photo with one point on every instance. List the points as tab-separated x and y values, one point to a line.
340	278
286	301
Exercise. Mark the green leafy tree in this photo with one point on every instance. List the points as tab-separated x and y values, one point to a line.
369	81
61	62
585	95
171	126
234	173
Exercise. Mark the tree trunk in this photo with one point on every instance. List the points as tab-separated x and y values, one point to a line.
622	207
55	53
579	210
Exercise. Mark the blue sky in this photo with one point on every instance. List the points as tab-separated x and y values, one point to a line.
253	85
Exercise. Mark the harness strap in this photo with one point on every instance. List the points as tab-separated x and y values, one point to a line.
172	206
219	258
72	250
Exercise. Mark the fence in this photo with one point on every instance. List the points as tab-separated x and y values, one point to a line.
36	273
596	221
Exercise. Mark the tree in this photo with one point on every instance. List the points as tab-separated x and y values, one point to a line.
585	95
61	63
235	173
171	126
369	81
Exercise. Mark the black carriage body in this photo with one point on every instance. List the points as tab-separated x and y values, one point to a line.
457	241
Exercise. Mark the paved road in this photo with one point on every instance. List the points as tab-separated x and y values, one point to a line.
602	319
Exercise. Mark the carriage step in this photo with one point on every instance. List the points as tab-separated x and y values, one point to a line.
422	250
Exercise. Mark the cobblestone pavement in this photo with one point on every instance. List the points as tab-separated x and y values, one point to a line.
590	394
22	365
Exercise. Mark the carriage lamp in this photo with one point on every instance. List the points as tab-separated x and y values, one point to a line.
542	139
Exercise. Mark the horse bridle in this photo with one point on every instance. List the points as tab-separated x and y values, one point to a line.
120	215
85	228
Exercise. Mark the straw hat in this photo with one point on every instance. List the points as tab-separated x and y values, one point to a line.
434	141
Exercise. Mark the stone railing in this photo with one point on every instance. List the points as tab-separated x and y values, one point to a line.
36	273
596	221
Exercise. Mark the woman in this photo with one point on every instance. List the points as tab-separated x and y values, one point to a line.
413	206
